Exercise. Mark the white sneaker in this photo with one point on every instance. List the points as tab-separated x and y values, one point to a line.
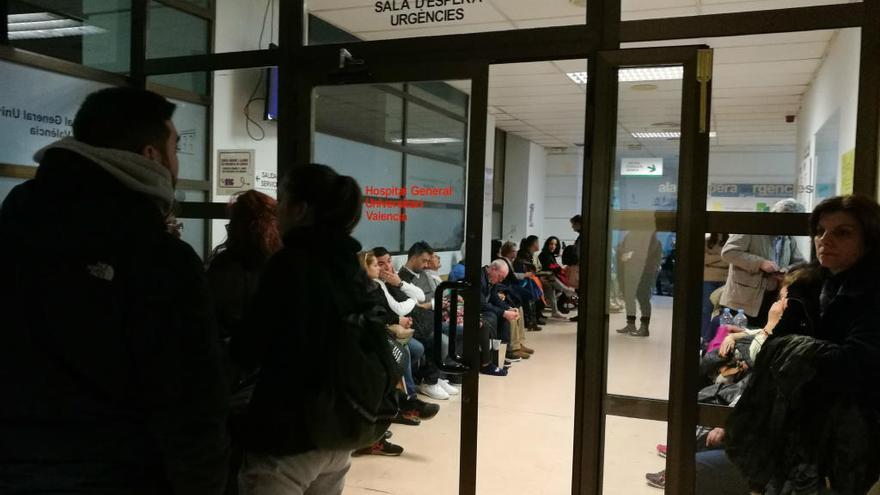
434	391
448	387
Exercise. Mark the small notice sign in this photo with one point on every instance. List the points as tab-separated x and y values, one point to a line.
267	180
641	166
235	171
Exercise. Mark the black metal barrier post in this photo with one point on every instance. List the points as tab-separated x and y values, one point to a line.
454	365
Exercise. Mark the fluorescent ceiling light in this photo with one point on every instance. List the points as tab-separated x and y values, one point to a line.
38	25
55	33
637	74
664	134
427	140
32	17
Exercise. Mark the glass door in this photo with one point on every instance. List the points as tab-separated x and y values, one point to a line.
649	167
414	139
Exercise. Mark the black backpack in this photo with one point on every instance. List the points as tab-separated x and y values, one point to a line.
358	400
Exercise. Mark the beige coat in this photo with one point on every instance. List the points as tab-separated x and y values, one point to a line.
746	283
714	268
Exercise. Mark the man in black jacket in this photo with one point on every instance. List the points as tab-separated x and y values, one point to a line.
108	355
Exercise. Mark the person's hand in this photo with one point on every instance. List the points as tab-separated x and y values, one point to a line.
511	315
405	322
768	266
735	329
775	315
715	437
389	277
726	346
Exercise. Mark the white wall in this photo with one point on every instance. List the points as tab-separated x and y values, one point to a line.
237	29
488	190
834	88
525	170
562	192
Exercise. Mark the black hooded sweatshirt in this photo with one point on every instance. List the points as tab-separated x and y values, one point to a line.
108	353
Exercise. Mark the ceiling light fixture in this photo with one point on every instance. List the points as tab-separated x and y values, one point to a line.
427	140
637	74
40	25
664	135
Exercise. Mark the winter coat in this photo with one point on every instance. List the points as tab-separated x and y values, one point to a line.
813	407
714	268
647	253
109	359
746	283
305	291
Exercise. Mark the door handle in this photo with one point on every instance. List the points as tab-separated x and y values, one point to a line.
454	364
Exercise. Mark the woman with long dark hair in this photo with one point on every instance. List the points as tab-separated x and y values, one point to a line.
549	259
809	420
304	293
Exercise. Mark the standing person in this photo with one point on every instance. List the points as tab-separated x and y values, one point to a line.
576	225
233	273
714	274
822	414
757	263
306	289
109	358
638	262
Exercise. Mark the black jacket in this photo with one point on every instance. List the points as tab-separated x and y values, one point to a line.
490	303
813	404
305	290
108	353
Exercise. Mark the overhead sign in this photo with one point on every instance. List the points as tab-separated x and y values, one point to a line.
235	171
641	166
719	190
418	12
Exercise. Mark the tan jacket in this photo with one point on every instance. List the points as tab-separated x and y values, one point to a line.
714	268
746	283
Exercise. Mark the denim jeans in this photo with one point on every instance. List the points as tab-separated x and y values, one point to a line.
414	352
716	475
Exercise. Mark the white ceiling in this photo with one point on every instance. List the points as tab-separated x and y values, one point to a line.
758	80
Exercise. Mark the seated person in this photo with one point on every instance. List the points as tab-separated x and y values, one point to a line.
495	313
433	271
413	300
515	290
419	258
553	276
525	263
412	409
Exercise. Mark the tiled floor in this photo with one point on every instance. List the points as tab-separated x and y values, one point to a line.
526	424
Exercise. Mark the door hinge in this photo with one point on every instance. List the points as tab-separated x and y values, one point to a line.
704	76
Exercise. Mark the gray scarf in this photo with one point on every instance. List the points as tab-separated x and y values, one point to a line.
134	171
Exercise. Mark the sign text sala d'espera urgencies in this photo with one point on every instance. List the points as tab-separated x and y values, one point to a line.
416	12
396	198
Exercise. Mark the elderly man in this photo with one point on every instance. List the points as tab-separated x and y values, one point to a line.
757	264
496	311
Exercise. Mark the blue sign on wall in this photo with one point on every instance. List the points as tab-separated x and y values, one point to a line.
756	190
